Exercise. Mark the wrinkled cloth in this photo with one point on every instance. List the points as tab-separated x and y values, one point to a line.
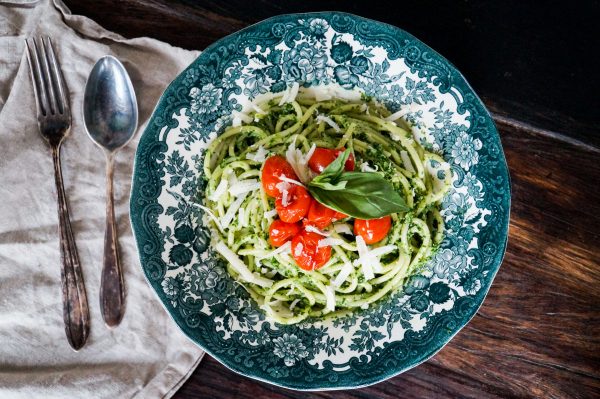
146	356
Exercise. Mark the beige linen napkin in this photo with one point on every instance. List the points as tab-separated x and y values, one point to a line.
146	356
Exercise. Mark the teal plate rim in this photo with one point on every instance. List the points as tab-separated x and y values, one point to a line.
146	189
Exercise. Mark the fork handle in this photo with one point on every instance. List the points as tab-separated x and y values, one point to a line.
75	306
112	297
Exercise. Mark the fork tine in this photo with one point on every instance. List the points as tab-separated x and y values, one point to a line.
38	87
57	78
47	77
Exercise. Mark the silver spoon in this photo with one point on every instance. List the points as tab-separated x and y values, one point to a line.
110	114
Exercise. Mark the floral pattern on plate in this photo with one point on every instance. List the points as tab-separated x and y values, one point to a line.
347	53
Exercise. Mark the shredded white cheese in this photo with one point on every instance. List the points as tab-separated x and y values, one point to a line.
406	161
330	298
329	241
256	108
299	161
333	90
270	214
294	303
314	229
232	210
284	178
342	228
329	121
238	265
285	248
284	96
259	156
244	186
322	95
219	191
396	115
242	218
364	259
292	289
310	153
369	259
285	198
365	167
344	273
239	117
290	94
298	250
283	186
271	274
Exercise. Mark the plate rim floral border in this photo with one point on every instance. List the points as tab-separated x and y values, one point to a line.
141	232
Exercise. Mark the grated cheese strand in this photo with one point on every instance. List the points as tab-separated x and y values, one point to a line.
343	275
259	156
315	229
244	186
286	179
364	259
342	228
285	248
219	191
330	298
240	267
329	241
232	210
329	121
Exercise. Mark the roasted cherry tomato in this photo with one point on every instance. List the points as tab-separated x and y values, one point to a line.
324	156
339	216
306	252
298	203
280	232
319	215
373	230
274	167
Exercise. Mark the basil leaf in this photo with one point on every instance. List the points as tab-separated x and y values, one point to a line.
329	186
334	170
367	195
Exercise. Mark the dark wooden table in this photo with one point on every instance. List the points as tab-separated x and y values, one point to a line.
538	332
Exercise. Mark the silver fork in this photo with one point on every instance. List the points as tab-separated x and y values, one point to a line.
54	121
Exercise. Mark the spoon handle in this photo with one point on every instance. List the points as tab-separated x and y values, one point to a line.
112	298
76	313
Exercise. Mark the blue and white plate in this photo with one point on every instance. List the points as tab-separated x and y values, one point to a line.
342	51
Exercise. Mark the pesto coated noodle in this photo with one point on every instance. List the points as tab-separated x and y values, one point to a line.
356	275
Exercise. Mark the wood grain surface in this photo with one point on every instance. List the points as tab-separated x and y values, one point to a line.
538	332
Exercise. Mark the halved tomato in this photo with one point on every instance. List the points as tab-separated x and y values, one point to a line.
319	215
322	157
373	230
306	251
274	167
280	232
297	205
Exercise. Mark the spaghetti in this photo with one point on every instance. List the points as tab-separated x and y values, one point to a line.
357	274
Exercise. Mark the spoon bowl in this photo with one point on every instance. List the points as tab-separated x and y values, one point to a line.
110	115
110	108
